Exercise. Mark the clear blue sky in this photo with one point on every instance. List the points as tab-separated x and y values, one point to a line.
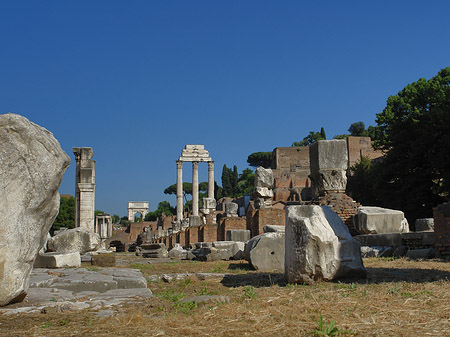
137	80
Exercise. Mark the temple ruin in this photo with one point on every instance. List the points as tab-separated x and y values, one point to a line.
84	188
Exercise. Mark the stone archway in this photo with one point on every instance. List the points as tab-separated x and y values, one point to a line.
140	207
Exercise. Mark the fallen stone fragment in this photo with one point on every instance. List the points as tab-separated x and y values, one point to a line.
377	220
58	260
266	251
32	165
74	240
319	246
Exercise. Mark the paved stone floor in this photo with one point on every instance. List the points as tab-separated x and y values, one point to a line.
80	288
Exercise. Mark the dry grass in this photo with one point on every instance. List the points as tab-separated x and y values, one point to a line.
399	298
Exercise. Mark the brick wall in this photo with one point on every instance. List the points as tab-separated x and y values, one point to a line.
344	206
137	227
441	215
191	235
207	233
229	223
265	216
181	238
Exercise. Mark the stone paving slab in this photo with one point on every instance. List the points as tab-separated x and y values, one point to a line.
80	288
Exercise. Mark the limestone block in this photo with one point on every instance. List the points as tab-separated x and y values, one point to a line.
104	259
328	155
240	235
75	240
263	192
178	252
209	203
319	246
32	165
264	178
329	180
425	224
58	260
194	221
377	220
266	251
231	208
273	228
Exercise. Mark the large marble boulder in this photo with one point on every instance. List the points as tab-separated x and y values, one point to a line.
32	165
264	183
377	220
265	252
74	240
319	246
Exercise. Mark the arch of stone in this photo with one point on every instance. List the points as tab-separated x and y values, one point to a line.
140	207
195	154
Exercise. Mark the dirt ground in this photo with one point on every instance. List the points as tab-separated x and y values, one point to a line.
400	297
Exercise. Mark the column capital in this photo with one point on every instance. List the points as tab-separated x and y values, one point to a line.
195	164
210	165
179	164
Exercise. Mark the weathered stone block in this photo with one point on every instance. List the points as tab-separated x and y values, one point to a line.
319	246
266	251
32	165
231	209
240	235
425	224
104	260
328	155
58	260
74	240
377	220
264	178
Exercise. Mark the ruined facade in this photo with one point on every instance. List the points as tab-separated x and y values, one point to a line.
103	225
84	188
140	207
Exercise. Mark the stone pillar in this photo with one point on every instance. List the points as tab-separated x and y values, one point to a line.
195	188
211	180
84	188
179	190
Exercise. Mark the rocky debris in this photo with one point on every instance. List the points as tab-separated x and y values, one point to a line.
178	252
377	220
152	250
58	260
240	235
319	246
380	251
231	209
425	224
75	240
266	251
219	250
170	277
274	229
206	299
210	276
79	288
32	165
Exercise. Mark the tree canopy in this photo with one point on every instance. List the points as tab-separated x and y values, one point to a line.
163	208
311	138
66	215
413	130
257	159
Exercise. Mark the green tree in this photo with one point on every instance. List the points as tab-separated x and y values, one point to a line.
358	129
257	159
414	130
163	208
227	186
311	138
362	182
66	215
246	182
235	180
115	219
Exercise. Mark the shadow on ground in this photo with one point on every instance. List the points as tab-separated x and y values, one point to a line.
374	275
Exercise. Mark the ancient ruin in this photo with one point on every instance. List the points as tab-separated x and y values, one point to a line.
134	207
195	154
103	226
84	188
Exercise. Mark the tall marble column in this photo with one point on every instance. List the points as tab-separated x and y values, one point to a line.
195	188
211	180
179	190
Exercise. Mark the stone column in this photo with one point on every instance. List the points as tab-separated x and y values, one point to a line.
179	190
211	180
195	188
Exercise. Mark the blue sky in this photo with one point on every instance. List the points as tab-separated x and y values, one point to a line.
137	80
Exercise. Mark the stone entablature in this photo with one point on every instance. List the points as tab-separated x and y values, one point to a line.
194	153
